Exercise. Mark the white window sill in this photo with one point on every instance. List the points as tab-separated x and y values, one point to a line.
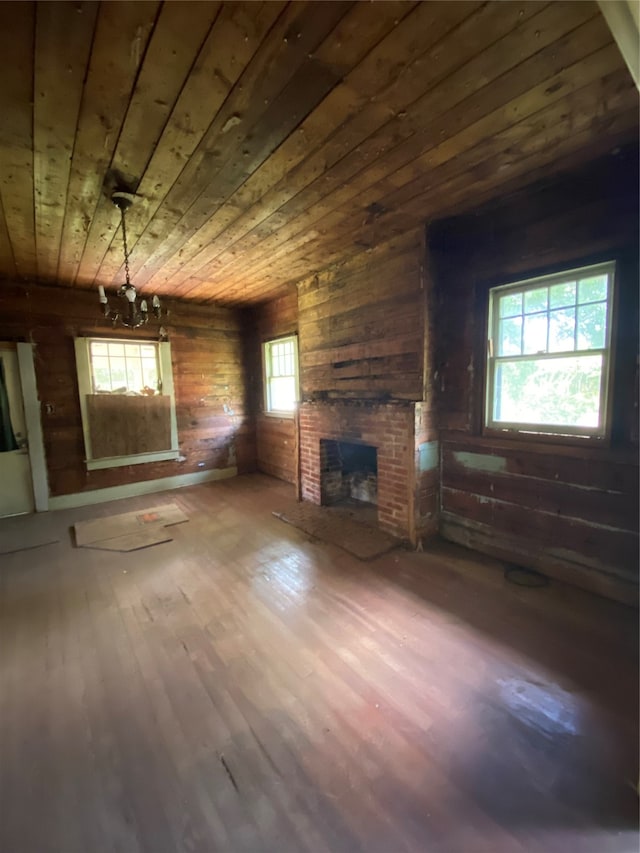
137	459
287	415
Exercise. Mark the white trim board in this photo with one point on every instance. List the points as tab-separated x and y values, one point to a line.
31	403
623	19
146	487
138	459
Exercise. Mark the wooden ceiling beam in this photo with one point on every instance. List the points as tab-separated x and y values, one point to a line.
177	37
269	140
346	192
402	139
7	260
17	24
556	102
516	148
486	176
230	46
338	108
64	35
295	35
533	157
381	69
119	45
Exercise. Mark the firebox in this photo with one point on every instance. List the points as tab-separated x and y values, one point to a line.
348	471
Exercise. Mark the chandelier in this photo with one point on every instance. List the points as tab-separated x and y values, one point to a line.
135	311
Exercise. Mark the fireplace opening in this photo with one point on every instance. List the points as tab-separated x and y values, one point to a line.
348	473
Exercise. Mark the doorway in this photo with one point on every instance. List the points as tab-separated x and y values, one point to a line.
16	489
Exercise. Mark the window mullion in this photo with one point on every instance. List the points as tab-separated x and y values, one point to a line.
548	319
549	356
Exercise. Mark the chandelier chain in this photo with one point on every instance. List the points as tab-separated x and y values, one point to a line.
137	310
126	249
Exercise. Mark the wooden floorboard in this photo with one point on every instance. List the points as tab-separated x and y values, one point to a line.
245	688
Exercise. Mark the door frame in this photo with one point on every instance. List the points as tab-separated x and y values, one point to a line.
35	439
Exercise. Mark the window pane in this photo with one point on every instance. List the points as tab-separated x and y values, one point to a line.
101	373
550	391
562	326
510	336
535	333
283	394
591	325
118	375
150	373
511	305
117	367
280	372
536	300
592	289
134	375
561	295
282	359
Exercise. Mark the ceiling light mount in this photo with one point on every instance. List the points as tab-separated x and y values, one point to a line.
123	200
136	310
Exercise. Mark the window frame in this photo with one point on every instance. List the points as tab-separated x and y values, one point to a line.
266	364
127	357
85	387
552	432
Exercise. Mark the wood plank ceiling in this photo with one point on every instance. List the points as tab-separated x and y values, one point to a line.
270	140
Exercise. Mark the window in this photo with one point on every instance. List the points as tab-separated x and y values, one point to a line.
121	367
549	353
281	375
127	401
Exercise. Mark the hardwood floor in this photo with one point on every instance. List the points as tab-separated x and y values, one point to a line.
244	689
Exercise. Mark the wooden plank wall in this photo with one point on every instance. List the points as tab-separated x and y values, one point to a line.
214	427
276	441
362	325
571	511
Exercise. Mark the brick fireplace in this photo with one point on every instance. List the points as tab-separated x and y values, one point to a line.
348	471
387	427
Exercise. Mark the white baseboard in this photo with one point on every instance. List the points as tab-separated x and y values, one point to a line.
146	487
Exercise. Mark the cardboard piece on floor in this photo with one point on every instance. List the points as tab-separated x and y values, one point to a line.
127	523
133	541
